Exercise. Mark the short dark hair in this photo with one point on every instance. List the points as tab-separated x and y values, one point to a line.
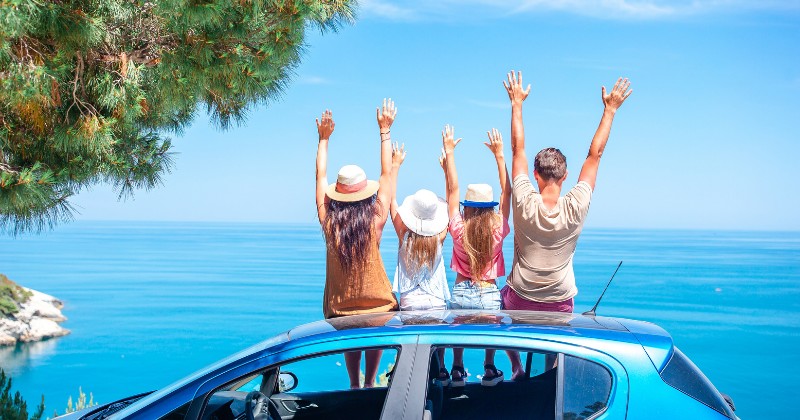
550	164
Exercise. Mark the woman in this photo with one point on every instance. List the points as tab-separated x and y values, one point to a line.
421	227
353	212
478	236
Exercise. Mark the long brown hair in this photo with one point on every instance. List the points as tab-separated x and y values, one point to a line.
420	251
479	226
348	230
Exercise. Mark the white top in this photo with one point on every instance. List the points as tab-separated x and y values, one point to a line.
545	241
433	282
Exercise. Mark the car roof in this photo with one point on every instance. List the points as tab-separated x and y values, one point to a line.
655	340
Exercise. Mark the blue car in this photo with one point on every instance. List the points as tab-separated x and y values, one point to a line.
576	367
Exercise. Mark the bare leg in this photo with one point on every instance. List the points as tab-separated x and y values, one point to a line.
489	360
458	359
373	360
517	371
352	361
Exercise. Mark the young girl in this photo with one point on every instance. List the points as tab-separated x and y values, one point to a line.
421	227
478	236
353	212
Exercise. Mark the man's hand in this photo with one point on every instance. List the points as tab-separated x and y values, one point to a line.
514	88
398	154
325	127
447	139
495	143
386	115
618	94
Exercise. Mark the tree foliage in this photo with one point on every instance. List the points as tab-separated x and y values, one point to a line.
91	89
14	407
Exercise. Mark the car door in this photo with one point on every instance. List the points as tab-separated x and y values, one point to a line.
321	402
565	381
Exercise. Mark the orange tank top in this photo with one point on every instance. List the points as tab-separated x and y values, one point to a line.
347	295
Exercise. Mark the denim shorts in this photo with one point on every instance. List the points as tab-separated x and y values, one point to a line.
467	295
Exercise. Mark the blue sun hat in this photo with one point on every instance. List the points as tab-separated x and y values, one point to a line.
480	196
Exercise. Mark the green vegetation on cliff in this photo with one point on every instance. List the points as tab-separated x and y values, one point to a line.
11	294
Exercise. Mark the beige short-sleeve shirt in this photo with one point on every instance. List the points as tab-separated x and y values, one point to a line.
545	241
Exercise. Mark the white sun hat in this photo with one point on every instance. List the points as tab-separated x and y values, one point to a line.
351	185
424	213
479	195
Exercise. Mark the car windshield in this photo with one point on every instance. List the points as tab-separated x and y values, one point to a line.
155	396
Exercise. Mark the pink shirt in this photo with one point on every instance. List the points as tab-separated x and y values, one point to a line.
460	260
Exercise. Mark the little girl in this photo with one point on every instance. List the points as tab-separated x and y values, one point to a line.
478	236
421	226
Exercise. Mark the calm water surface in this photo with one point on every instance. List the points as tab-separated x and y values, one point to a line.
149	303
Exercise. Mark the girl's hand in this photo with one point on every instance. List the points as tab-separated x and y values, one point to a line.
325	127
447	139
398	154
495	143
386	115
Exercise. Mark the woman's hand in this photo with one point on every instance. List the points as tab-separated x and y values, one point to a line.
495	143
398	154
618	94
514	88
447	139
325	127
386	115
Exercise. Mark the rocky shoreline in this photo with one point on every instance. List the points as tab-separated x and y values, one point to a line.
38	318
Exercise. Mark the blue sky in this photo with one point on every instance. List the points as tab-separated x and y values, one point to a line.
708	140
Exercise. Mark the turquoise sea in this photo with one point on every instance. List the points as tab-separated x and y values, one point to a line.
149	303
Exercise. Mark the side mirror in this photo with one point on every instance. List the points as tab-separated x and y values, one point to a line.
287	381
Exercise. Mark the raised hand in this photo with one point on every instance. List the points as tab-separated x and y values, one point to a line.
386	115
495	143
326	126
618	94
447	139
514	88
398	154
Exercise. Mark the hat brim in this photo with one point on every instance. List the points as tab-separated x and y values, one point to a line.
368	191
422	227
479	204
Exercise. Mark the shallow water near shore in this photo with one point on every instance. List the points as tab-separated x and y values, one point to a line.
149	303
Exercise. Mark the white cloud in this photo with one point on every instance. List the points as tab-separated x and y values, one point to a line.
604	9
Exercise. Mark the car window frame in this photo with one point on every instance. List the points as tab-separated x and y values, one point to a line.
617	404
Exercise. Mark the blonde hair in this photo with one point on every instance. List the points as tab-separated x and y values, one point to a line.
479	226
420	252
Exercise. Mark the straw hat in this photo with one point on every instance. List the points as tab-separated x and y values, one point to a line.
424	213
479	195
351	185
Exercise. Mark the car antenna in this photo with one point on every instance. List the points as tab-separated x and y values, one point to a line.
591	311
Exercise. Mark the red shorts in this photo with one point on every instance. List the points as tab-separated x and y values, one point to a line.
511	300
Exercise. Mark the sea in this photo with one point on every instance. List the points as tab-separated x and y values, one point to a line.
149	303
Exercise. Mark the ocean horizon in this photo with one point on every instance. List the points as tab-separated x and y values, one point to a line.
151	302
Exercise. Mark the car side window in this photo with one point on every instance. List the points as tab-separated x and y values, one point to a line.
316	387
587	387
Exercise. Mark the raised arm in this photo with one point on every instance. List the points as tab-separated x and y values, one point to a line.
495	144
451	175
517	95
612	102
398	156
385	117
325	127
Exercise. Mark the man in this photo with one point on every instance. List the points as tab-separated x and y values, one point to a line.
546	225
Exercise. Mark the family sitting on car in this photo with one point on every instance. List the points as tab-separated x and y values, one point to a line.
354	210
